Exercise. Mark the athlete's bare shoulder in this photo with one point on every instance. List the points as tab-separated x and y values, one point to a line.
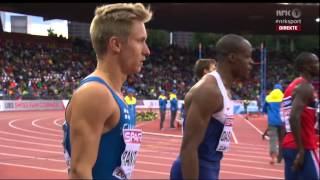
92	98
205	93
304	91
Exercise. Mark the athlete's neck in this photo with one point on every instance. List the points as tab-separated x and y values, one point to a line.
111	73
226	76
306	76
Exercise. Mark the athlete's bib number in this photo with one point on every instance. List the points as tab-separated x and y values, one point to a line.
225	137
132	139
66	154
285	115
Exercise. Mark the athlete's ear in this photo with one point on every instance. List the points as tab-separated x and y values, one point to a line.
114	44
231	57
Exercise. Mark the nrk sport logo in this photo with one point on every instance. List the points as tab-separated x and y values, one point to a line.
288	20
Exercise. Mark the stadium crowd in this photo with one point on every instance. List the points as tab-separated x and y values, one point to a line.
49	70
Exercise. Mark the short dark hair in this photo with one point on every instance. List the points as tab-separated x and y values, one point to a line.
302	60
230	43
201	65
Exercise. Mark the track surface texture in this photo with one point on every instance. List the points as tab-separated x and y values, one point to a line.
30	148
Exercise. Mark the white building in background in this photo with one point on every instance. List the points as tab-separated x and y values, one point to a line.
13	22
19	24
35	25
2	19
79	30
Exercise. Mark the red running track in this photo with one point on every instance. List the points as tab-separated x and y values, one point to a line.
30	148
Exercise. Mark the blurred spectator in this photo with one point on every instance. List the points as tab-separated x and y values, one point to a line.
35	67
173	107
163	107
131	102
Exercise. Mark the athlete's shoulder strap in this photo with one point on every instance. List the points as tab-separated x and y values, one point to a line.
99	80
220	83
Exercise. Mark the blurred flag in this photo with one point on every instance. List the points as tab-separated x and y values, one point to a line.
199	51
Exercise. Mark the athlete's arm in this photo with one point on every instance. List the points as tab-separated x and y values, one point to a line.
91	106
301	96
205	100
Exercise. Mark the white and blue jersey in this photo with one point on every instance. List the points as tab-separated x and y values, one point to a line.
112	144
215	141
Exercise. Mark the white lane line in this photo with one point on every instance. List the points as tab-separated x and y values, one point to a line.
247	156
250	167
160	140
245	161
223	164
153	172
252	145
13	117
34	167
170	142
25	116
31	149
168	154
11	124
175	154
252	175
262	149
147	136
226	154
56	122
167	151
175	148
32	157
31	137
162	134
156	157
41	127
223	171
138	170
28	142
262	153
254	127
154	164
234	137
160	146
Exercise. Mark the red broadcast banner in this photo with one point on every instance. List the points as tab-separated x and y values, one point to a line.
288	28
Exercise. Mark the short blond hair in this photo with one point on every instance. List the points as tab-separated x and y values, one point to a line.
115	20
